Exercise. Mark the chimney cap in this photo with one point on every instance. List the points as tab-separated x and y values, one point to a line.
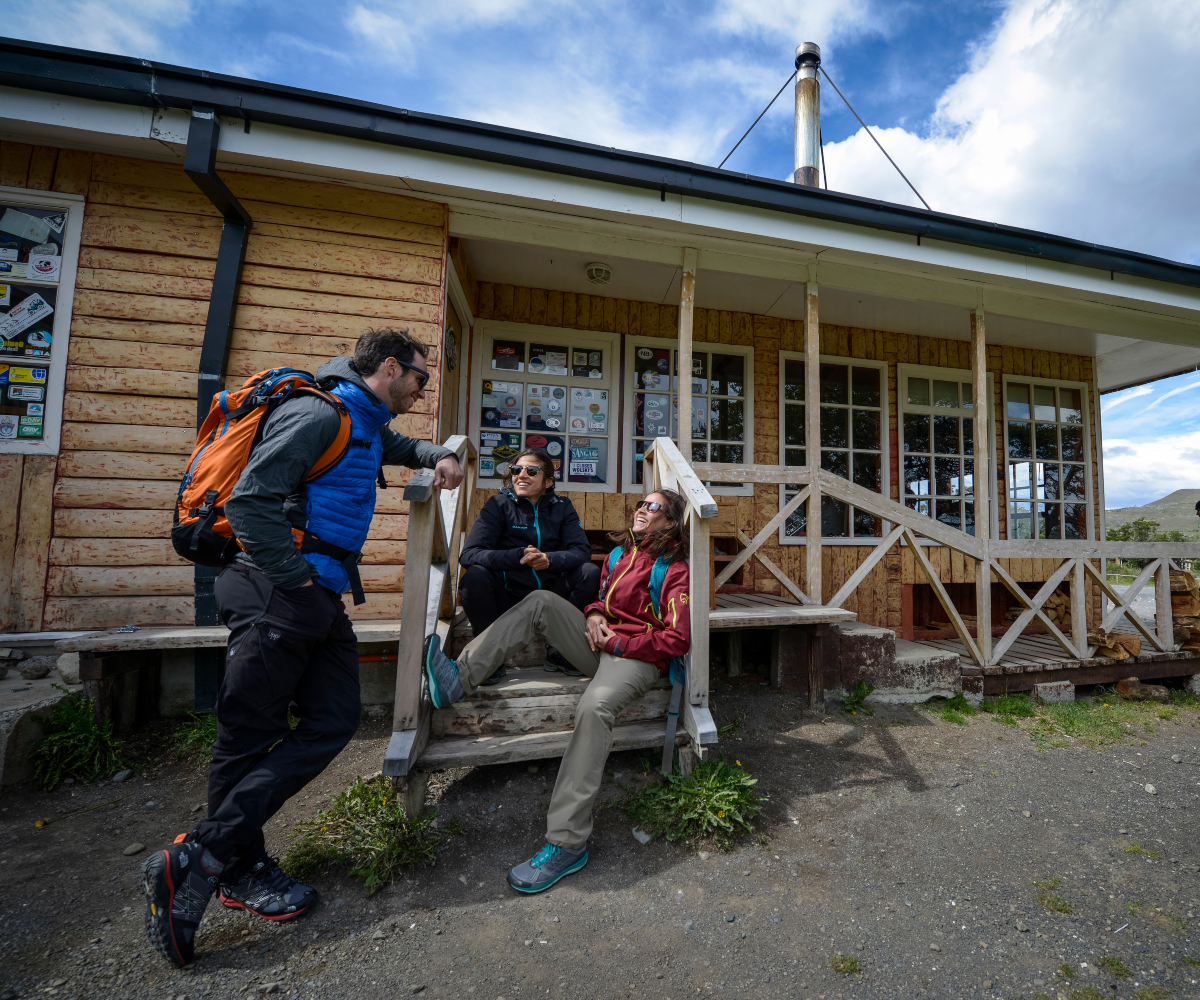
808	52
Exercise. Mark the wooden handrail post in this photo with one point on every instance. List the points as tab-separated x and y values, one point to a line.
683	353
1163	617
812	435
698	553
418	556
981	480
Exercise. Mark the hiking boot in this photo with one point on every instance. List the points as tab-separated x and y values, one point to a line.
442	674
178	883
267	891
496	678
556	662
546	867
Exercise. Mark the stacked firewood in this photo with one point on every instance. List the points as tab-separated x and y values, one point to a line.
1057	609
1185	610
1114	645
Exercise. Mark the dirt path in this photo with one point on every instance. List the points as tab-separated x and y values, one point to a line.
903	841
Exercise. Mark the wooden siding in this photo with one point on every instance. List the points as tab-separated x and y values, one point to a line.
323	264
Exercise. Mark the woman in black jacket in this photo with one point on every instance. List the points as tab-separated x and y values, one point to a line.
526	538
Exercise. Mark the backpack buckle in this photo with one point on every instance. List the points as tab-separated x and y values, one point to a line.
210	500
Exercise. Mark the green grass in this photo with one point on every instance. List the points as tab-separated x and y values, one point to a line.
731	728
1152	993
74	745
1136	848
197	737
845	964
1049	884
855	701
1066	971
716	800
1192	961
1183	698
1008	708
1053	903
365	828
1086	993
1114	966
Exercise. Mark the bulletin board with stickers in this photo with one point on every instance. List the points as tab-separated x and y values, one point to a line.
31	254
550	393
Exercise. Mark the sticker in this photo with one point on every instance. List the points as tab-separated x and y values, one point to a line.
9	249
8	425
594	373
487	466
56	222
23	315
588	459
579	359
541	405
12	270
554	448
31	421
508	355
16	374
559	393
536	365
26	227
29	431
589	410
583	468
550	360
501	404
578	424
645	354
554	406
535	441
5	294
554	423
34	409
585	363
654	414
653	418
27	393
44	266
585	454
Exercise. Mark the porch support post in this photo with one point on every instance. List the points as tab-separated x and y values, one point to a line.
812	435
982	482
683	354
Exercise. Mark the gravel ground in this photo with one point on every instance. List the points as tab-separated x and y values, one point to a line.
904	842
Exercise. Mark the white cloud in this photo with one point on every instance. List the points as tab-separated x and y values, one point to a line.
131	27
1173	392
1138	472
814	21
398	25
1117	398
1077	117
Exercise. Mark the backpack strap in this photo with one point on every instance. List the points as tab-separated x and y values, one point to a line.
306	541
341	444
678	666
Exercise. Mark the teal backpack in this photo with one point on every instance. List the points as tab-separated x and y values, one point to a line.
678	666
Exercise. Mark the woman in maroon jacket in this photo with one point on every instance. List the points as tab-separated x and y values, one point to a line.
621	643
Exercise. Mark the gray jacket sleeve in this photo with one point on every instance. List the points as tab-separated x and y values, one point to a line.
295	436
413	452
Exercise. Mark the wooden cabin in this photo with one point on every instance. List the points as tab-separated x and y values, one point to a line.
205	228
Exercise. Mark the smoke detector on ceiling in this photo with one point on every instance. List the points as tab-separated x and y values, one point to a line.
598	273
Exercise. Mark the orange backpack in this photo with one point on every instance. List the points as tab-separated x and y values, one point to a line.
233	427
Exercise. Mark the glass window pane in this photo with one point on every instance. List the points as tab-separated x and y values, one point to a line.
968	477
1074	484
916	475
920	506
1047	440
916	432
948	513
732	453
866	429
868	471
651	370
1070	406
588	460
1022	520
918	391
728	420
967	389
1074	520
699	369
968	426
793	380
946	472
835	518
728	375
1072	443
1043	403
699	416
1018	400
793	527
834	432
945	435
793	456
793	424
650	414
1018	440
945	393
639	448
1020	480
837	462
969	518
699	452
1048	521
1050	487
835	384
867	525
865	382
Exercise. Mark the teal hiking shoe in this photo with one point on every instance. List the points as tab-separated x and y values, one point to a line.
442	674
546	867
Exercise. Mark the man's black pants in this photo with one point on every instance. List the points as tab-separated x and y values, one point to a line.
486	595
285	646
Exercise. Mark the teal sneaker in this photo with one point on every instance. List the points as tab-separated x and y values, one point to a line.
546	867
442	674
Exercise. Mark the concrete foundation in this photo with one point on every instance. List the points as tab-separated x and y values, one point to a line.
18	730
901	672
1054	692
177	683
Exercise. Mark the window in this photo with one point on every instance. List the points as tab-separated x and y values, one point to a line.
39	245
722	387
547	388
937	444
853	434
1046	449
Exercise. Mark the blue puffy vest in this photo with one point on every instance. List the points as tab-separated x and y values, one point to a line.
341	503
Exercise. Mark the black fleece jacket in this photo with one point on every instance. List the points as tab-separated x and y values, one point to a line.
508	523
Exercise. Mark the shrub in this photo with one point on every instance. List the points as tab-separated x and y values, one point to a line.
74	744
197	737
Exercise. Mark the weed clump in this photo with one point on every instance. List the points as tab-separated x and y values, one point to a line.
845	964
1008	708
1086	993
956	710
197	737
716	800
1066	971
1136	848
1152	993
74	744
855	701
1114	967
365	827
1053	903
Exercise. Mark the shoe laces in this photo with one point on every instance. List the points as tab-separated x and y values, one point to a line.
274	878
547	853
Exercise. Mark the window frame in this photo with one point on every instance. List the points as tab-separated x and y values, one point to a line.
485	332
885	444
56	376
1088	472
628	388
957	375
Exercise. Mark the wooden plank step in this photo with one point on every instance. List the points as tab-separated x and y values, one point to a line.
525	714
447	752
779	615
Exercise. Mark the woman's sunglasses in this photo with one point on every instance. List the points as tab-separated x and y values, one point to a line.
654	508
532	471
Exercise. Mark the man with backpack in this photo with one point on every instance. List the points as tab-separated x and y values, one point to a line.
297	518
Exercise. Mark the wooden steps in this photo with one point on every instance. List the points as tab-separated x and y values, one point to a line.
443	753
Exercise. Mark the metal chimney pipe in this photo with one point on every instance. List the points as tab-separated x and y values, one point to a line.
808	115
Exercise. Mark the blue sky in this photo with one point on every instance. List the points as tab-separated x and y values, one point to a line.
1076	117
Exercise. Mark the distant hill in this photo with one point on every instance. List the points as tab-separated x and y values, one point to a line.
1174	512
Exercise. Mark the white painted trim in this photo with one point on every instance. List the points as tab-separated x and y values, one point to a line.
485	331
885	450
701	347
56	377
458	297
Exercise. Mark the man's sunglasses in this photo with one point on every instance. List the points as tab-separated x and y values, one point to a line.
651	506
422	375
530	470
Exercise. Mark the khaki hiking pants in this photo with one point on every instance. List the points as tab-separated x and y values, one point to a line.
616	683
